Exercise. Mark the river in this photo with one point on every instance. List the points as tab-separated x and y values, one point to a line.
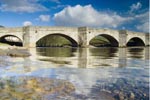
96	73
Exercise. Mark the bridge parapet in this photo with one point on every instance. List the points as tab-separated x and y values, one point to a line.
10	30
46	28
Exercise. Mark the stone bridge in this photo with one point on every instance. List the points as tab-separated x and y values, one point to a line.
79	36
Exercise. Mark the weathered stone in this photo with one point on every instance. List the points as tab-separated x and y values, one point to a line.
80	35
132	96
18	53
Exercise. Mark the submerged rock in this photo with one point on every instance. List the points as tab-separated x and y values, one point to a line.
18	52
15	52
125	89
31	88
3	52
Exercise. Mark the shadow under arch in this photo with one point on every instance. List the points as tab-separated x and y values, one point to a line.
104	40
135	41
11	40
58	40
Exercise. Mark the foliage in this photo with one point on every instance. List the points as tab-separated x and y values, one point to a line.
53	41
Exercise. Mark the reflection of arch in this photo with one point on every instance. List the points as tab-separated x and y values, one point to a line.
136	52
11	40
56	52
112	41
73	42
135	41
104	52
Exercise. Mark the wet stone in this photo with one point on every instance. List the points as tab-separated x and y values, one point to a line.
132	96
31	88
129	90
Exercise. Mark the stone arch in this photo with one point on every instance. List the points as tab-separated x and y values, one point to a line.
73	42
11	40
135	41
113	41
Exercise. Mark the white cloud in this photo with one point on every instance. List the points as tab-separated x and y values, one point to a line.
87	16
143	22
21	6
44	18
135	7
27	23
143	27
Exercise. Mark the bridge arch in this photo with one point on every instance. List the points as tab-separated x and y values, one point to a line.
11	40
70	39
113	42
135	41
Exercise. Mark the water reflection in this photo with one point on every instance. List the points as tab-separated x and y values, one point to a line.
56	52
96	73
136	52
92	57
105	53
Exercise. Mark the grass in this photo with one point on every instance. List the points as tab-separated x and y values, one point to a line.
99	41
4	44
56	41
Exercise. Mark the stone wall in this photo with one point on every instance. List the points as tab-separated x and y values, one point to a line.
82	35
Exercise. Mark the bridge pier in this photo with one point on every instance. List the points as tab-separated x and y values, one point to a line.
28	37
82	37
147	39
122	38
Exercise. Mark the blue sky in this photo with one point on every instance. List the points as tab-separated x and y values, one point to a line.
114	14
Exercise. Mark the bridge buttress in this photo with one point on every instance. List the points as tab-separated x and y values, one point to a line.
122	38
147	39
82	37
28	37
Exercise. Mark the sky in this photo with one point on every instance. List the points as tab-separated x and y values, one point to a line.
112	14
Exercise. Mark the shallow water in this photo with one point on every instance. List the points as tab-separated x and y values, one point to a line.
96	73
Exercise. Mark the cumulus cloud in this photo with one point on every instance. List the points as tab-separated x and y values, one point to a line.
87	16
27	23
21	6
143	27
44	18
135	7
143	22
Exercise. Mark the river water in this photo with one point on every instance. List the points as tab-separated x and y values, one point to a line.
96	73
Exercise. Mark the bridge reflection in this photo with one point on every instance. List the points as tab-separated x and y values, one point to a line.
90	57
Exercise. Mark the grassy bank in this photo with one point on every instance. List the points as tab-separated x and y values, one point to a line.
99	41
4	44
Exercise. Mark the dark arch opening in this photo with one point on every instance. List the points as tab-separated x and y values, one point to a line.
135	42
56	40
11	40
104	40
